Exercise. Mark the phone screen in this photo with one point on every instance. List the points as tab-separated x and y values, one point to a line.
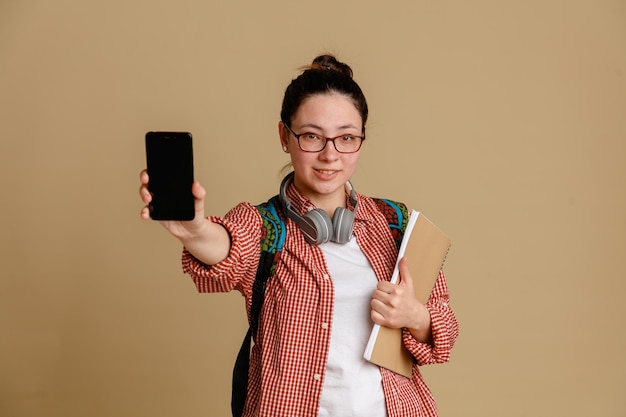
170	168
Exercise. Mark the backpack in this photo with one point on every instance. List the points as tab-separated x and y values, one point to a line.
272	241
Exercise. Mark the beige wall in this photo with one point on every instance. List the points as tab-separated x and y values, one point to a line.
504	122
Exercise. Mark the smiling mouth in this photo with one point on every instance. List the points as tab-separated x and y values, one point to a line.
326	172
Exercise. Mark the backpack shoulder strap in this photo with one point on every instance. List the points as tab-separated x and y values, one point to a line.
272	241
397	216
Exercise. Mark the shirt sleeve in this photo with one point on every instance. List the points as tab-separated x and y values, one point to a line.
237	270
444	325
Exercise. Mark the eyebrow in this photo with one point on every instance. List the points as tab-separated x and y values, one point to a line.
314	126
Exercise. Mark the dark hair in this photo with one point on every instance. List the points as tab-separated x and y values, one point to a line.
324	75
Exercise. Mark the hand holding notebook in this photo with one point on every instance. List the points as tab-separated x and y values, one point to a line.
425	247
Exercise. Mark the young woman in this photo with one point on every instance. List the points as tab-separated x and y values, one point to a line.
330	284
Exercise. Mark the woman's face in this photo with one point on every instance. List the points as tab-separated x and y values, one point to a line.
321	176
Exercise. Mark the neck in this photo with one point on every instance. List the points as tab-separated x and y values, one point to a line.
326	202
329	203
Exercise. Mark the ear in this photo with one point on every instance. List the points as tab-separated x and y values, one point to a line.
283	134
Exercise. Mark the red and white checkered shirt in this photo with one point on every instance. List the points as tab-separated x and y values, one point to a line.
288	359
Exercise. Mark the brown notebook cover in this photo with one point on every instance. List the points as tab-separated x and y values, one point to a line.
425	248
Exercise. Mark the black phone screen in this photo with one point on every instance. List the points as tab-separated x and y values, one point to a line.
170	169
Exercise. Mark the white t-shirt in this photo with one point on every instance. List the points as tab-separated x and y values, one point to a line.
352	385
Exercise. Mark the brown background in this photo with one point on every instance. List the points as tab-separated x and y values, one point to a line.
504	122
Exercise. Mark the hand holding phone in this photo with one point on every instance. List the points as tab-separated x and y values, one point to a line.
169	157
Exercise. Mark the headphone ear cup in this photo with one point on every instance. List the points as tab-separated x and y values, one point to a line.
317	227
343	219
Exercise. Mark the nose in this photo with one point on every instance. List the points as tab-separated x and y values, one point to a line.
329	152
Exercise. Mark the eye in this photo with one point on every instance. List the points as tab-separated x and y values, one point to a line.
348	138
311	137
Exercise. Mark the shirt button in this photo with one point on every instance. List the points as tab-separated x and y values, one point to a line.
326	277
317	377
324	326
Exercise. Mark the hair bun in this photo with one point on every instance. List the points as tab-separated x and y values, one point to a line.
329	62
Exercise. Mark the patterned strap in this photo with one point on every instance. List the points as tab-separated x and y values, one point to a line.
272	241
397	216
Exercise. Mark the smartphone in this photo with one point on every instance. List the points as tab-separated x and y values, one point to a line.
169	158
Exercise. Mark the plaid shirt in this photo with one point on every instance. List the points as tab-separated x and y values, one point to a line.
288	359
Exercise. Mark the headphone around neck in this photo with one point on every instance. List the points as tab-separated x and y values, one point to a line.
316	225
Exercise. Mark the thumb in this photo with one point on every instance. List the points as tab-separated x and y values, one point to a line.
199	193
405	276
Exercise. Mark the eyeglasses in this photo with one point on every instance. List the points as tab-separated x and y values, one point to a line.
312	142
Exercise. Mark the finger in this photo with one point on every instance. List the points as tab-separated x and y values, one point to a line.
383	315
379	309
145	213
143	176
382	301
381	306
377	317
379	295
145	194
385	287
